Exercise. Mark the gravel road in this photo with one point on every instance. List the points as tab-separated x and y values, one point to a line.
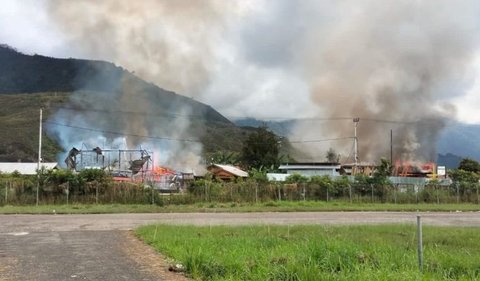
101	247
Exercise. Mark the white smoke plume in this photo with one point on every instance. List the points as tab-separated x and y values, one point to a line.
169	43
384	61
394	64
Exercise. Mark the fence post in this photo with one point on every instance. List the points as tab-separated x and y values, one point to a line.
350	192
6	193
420	243
416	189
478	198
304	192
205	191
371	187
68	190
458	193
256	192
153	195
96	194
279	194
395	186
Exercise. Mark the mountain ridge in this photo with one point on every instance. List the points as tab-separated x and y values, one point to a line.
31	82
21	73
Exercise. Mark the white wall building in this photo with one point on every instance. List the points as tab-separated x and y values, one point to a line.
24	168
312	169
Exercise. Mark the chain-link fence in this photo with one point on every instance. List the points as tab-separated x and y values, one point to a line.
24	192
251	191
21	191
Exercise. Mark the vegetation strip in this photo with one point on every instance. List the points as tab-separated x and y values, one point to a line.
211	207
385	252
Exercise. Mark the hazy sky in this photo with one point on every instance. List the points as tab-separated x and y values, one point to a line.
251	58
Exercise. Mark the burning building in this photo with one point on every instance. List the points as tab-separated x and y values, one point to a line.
414	169
124	162
127	165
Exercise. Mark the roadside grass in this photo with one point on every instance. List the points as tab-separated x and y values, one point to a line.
387	252
271	206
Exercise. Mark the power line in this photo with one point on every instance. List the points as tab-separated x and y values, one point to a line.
110	111
122	134
321	140
397	121
197	116
289	119
172	139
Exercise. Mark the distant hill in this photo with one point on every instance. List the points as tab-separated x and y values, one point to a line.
280	128
20	73
30	82
449	160
460	139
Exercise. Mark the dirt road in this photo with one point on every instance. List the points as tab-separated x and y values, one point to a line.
100	247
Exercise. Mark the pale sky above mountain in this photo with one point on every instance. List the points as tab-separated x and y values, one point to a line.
256	64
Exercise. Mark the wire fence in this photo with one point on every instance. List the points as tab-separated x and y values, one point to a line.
24	192
354	192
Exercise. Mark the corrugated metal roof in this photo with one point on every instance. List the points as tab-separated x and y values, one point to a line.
24	168
308	167
233	170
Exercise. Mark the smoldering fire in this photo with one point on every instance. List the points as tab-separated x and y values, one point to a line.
381	61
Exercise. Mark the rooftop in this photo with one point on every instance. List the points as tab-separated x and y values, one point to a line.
232	170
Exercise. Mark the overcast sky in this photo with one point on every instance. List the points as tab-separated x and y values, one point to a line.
251	58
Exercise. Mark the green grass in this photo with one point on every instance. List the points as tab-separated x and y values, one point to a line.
19	115
273	206
385	252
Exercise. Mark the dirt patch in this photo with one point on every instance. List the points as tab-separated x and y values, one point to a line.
149	260
7	268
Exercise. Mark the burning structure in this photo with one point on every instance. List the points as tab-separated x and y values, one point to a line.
123	162
396	68
414	169
127	165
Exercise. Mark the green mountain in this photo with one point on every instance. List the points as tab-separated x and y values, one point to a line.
20	73
449	160
460	139
77	91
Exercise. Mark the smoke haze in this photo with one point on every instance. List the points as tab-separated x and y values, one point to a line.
394	64
169	43
392	61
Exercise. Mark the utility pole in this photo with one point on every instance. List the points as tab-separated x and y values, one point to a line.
355	121
39	153
391	147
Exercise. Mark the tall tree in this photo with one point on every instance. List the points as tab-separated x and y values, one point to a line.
332	156
469	165
384	169
261	149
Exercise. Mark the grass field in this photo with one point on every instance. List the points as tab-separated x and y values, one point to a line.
273	206
386	252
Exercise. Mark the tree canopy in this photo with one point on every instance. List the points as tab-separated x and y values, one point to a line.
261	149
332	156
469	165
